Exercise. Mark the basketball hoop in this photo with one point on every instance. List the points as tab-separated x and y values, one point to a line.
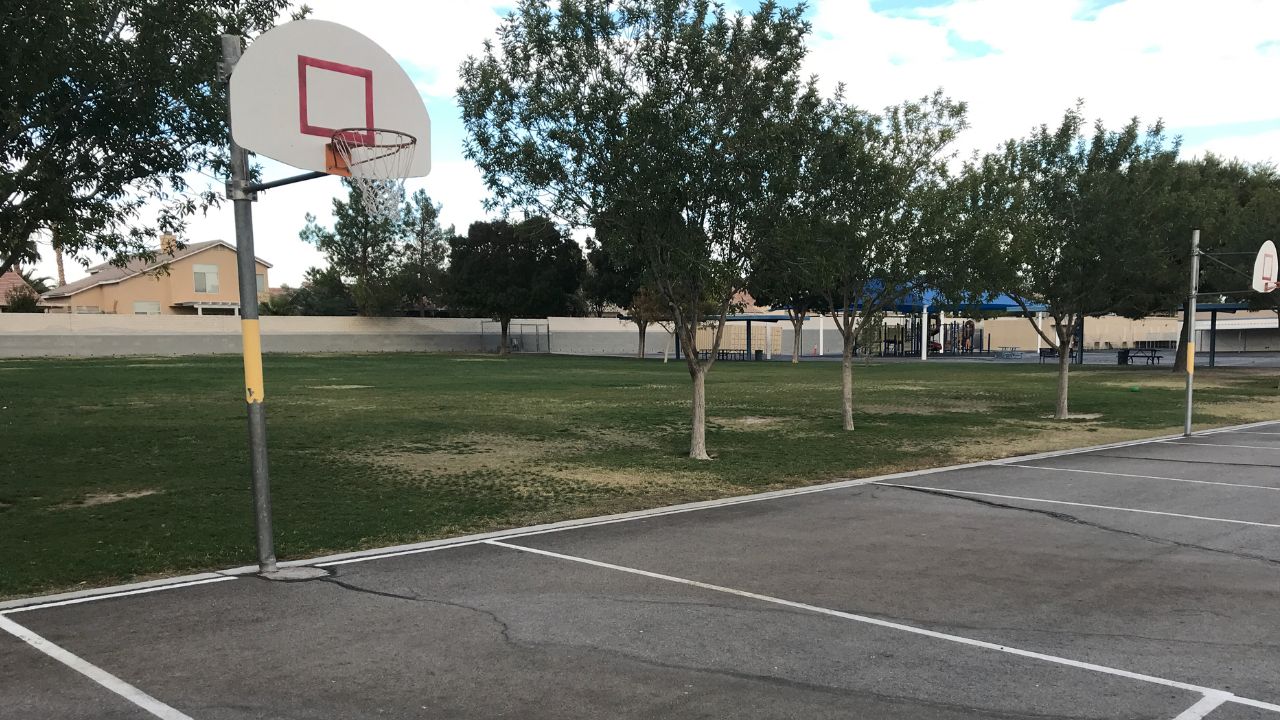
377	162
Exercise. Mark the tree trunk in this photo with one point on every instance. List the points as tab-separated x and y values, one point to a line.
1064	365
797	322
640	349
846	382
504	348
57	256
698	433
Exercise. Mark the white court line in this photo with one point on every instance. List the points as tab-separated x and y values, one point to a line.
1146	477
1250	447
104	596
1207	704
1251	432
93	672
949	491
960	639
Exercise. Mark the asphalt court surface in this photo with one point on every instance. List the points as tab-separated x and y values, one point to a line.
1128	582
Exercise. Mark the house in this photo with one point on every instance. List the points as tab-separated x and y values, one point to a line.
199	279
12	282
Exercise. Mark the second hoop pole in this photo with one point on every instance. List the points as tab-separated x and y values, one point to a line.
1190	322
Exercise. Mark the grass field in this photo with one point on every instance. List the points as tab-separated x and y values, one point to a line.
120	469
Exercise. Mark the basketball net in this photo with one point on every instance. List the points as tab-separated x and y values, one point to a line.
376	161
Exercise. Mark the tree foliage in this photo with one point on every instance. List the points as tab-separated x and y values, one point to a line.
21	299
393	264
105	109
657	122
1075	219
864	222
425	252
506	271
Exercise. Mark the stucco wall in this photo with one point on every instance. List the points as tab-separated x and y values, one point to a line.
106	335
176	286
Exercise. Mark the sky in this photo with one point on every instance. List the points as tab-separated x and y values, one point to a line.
1208	69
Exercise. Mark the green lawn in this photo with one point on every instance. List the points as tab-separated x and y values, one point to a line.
119	469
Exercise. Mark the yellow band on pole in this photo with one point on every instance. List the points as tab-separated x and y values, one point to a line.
254	392
1191	358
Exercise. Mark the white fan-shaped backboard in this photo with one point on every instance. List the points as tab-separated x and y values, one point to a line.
1266	268
301	81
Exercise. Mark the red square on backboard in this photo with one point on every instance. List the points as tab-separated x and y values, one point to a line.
304	125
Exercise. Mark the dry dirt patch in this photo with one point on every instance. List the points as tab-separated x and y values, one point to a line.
1244	411
466	453
106	498
636	477
1040	438
338	387
749	422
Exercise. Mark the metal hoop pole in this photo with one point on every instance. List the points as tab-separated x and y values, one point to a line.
246	265
1190	321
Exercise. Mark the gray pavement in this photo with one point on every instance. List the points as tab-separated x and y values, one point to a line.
1129	582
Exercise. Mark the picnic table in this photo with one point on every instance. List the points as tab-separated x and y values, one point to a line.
1009	352
1151	355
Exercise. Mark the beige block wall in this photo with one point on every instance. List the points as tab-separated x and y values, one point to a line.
176	286
1099	333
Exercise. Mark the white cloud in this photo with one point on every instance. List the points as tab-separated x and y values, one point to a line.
1191	63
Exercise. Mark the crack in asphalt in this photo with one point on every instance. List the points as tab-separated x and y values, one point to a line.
773	680
1066	517
504	628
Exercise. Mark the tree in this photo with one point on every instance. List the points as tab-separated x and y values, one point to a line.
106	107
608	282
1079	224
366	248
22	300
426	248
655	120
780	275
39	284
322	293
864	225
1237	206
508	271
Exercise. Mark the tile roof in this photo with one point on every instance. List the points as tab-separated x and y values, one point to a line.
9	281
108	273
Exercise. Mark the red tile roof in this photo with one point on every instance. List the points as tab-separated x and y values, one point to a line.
9	281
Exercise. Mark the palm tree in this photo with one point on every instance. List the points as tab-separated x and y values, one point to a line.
40	284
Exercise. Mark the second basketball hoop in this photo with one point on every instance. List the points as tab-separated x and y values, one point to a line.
376	160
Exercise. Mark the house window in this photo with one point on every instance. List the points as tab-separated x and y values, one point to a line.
146	307
206	278
262	284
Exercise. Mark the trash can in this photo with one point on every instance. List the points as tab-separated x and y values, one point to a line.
759	355
1122	357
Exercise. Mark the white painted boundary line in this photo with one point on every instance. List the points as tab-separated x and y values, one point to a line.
1147	477
1213	445
949	491
1207	704
93	672
901	627
466	540
104	596
1251	432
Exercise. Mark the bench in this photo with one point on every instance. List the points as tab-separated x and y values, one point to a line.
723	354
1048	353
